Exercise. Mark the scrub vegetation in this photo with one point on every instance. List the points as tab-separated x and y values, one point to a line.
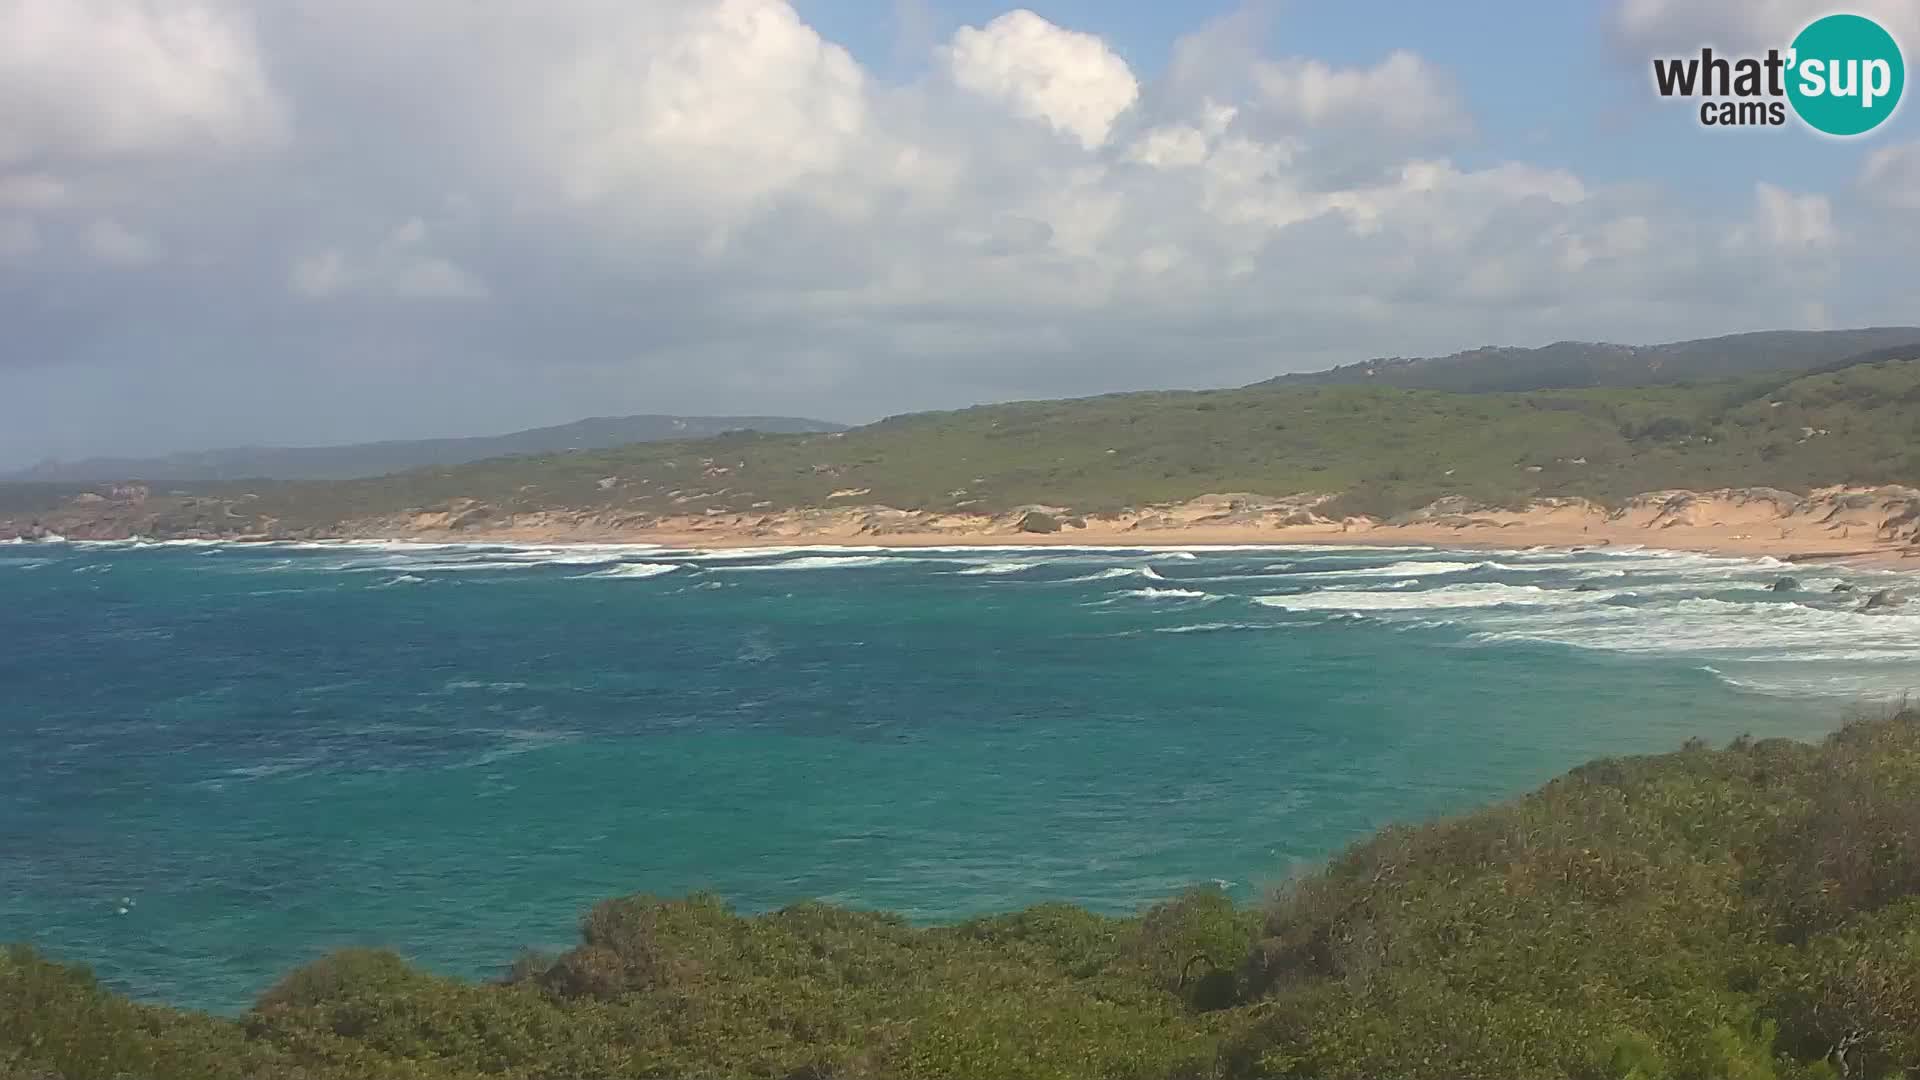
1746	912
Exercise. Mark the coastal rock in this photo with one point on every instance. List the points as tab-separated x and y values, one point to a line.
1883	600
1843	587
1786	584
1036	521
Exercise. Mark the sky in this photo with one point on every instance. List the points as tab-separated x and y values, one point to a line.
301	222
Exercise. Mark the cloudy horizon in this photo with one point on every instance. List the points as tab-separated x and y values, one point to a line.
301	223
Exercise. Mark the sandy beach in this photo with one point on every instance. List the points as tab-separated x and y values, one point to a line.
1859	526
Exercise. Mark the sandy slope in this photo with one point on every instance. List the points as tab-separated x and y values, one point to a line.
1880	525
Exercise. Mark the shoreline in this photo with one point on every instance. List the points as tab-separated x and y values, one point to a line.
1701	541
1874	527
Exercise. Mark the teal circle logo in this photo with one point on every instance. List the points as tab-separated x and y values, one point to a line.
1845	75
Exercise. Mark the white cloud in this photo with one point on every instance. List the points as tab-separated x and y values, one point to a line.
1069	80
399	266
1786	222
728	103
1748	24
1891	176
1403	93
113	243
106	78
704	202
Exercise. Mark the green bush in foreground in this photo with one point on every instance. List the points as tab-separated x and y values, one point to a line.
1749	913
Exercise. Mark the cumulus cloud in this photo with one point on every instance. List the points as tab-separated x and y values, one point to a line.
106	78
1784	224
1892	176
731	103
1746	24
706	205
400	266
1069	80
1403	94
1790	222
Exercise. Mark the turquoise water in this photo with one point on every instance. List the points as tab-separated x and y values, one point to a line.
272	751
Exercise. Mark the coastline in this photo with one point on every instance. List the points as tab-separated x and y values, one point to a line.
1838	525
1871	527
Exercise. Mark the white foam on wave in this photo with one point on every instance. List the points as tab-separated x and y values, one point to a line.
1704	625
993	569
824	562
440	567
1362	586
631	570
1477	595
1151	593
1415	568
734	554
1114	572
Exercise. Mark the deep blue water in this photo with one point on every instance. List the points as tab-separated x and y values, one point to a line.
272	751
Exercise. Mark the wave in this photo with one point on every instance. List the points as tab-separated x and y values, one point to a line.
731	554
1759	630
1213	628
438	567
1168	594
1457	596
1414	568
631	570
403	579
825	562
1113	572
996	568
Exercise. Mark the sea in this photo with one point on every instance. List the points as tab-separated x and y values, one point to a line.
220	761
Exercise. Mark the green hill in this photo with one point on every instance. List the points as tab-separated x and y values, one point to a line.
261	463
1752	912
1385	449
1572	364
1382	450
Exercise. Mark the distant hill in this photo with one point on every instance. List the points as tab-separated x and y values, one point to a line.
205	467
1384	450
1569	365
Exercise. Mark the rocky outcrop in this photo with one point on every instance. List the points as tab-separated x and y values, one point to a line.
1786	584
1884	600
1037	521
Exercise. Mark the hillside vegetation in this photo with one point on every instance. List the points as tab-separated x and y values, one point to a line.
259	463
1571	364
1751	912
1385	449
1381	450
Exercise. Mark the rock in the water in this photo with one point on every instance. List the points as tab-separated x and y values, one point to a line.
1036	522
1787	584
1845	586
1586	587
1885	598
